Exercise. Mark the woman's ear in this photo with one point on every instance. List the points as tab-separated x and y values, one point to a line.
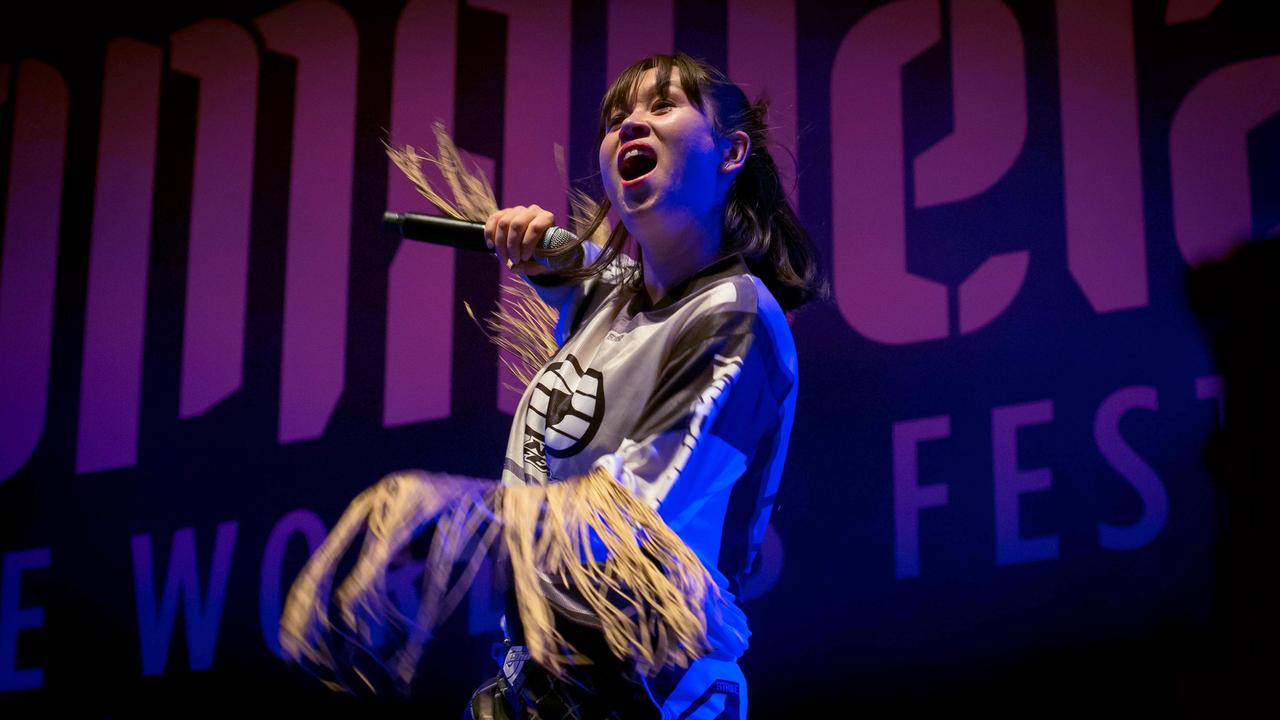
737	148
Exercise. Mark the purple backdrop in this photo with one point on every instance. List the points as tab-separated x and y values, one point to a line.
997	487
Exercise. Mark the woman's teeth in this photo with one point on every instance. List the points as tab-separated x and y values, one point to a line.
636	163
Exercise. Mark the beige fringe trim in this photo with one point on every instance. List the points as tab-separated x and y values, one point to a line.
582	207
524	326
649	591
473	197
390	513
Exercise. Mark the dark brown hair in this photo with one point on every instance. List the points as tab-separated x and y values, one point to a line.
758	220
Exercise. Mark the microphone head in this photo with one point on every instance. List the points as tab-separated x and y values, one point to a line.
556	238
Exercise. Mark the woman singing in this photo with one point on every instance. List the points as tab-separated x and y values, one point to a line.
661	420
679	379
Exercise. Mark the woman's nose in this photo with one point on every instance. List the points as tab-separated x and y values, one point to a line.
632	129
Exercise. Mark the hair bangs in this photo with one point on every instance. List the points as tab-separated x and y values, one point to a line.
624	90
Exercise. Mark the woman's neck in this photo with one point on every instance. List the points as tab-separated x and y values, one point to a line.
671	257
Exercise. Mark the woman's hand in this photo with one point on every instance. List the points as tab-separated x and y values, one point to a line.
514	233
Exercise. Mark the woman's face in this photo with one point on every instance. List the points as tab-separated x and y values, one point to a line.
660	155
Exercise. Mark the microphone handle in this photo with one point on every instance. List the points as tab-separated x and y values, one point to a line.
460	234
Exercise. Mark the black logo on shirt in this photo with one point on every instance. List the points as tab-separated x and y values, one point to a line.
565	411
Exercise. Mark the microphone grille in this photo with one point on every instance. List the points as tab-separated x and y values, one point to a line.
556	238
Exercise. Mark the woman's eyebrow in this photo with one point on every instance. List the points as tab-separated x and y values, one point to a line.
646	95
651	92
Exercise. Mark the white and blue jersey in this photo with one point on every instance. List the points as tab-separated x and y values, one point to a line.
689	403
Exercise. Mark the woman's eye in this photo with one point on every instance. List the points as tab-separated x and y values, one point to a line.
616	120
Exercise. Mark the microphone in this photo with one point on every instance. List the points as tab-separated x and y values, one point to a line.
463	234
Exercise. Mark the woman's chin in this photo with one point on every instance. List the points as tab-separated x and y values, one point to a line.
638	195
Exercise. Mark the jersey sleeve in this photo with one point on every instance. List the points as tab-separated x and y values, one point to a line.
575	301
721	395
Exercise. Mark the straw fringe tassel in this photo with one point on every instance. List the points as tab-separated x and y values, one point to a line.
473	197
524	326
391	513
649	589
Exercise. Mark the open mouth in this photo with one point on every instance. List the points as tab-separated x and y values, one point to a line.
635	161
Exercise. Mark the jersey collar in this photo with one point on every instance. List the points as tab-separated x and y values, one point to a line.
724	267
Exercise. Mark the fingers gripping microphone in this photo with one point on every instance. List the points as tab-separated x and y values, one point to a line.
463	234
